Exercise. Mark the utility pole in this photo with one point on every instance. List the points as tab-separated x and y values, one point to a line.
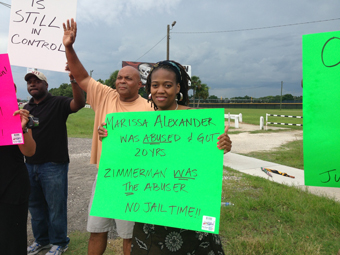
281	96
168	39
167	42
91	73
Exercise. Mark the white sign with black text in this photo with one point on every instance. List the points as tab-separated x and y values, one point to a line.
36	33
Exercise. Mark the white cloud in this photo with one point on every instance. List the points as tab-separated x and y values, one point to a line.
117	12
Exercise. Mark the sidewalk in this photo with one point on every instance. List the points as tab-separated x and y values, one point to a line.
253	166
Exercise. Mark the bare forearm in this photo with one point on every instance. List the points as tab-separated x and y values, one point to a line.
78	101
28	148
77	69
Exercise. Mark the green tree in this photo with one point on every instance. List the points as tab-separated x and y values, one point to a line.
212	97
287	97
271	99
298	98
200	90
63	90
111	81
195	83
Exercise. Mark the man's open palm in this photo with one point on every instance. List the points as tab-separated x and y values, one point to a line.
70	32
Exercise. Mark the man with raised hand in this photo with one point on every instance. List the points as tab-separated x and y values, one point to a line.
48	168
104	100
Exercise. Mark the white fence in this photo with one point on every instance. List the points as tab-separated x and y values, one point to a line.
236	117
284	116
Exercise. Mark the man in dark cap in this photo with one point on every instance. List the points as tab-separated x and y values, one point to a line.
48	168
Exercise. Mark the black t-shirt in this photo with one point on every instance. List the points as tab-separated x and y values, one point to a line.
51	134
14	181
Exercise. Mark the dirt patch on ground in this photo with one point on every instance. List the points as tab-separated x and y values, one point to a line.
246	142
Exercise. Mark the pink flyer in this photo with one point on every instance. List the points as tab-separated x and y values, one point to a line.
10	126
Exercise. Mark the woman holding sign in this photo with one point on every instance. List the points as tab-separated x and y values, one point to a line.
167	84
14	192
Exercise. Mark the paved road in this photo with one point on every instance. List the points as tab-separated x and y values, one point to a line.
253	166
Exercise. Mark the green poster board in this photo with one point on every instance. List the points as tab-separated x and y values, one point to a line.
321	97
162	168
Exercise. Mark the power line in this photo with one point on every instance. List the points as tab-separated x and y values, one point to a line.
151	48
240	30
7	5
257	28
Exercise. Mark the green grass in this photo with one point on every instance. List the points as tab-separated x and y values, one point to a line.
252	116
80	124
289	154
267	131
234	132
79	242
271	218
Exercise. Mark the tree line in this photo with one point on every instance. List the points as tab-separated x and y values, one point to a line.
200	90
271	99
65	89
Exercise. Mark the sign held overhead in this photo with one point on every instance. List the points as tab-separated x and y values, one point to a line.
36	32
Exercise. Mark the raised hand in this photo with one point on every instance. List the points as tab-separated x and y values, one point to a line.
70	33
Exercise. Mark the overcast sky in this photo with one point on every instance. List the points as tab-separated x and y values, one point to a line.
251	62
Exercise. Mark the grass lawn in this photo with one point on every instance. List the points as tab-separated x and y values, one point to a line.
79	241
289	154
271	218
80	124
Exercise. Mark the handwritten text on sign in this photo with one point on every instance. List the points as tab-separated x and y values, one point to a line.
10	126
36	32
321	94
162	168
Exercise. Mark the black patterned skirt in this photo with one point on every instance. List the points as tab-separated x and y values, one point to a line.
154	239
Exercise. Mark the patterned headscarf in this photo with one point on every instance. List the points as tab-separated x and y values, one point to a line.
173	66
